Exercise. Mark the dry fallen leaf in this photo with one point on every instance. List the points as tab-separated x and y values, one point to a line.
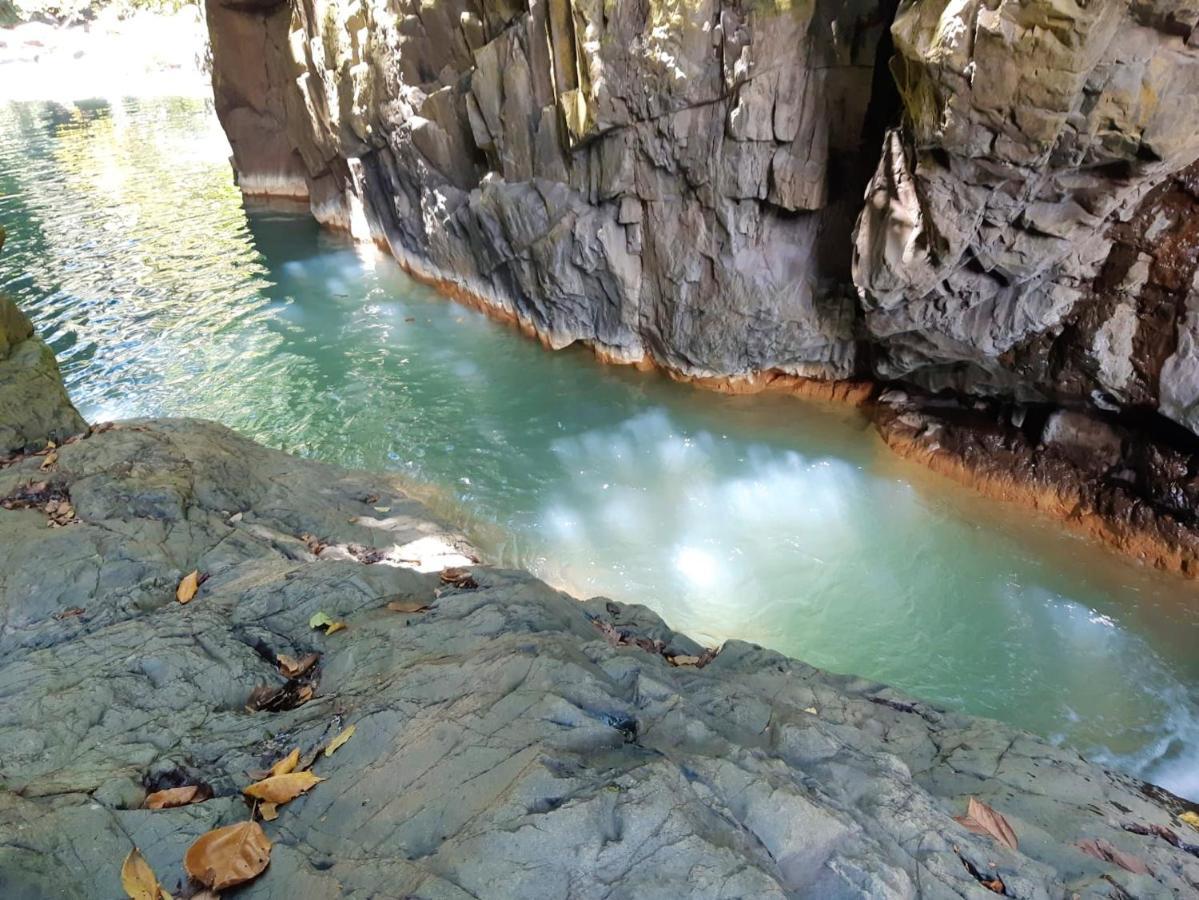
276	699
280	789
269	811
1102	850
138	879
188	587
1190	817
407	606
459	578
340	739
981	819
287	765
382	509
51	459
334	627
810	710
684	660
228	856
172	797
294	668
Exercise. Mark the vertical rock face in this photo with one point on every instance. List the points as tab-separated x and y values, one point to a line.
678	182
660	179
1031	228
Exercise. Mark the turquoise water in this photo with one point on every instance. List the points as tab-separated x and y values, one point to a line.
762	518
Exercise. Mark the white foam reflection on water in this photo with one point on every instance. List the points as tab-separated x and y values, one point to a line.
759	518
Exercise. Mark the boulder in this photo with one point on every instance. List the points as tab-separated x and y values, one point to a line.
34	406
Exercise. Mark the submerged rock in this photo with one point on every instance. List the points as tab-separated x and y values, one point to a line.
509	741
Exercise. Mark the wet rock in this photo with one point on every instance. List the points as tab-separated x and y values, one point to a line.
1133	488
504	747
34	407
1085	440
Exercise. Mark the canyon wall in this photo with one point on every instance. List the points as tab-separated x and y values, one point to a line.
665	180
997	197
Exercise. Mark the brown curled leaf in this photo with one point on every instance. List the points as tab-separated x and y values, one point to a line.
228	856
287	764
172	797
188	587
981	819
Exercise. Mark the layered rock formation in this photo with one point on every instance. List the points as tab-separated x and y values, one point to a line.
677	183
509	741
1031	230
664	181
688	186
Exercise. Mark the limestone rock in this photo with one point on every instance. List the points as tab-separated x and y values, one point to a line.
1029	231
666	181
503	746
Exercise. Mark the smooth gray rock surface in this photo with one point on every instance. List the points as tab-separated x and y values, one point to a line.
504	748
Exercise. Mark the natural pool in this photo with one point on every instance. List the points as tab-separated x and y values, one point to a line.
762	518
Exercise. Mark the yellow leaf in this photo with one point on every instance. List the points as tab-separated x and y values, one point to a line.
188	587
228	856
287	765
269	811
1191	818
282	788
172	797
339	740
334	627
684	660
51	459
138	879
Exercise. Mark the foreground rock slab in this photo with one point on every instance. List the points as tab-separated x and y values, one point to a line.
509	740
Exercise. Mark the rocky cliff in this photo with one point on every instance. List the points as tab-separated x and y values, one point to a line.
993	199
1033	226
674	182
679	183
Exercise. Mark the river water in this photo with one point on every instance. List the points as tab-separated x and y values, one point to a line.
763	518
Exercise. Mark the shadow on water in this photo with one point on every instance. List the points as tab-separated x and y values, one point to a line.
761	518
